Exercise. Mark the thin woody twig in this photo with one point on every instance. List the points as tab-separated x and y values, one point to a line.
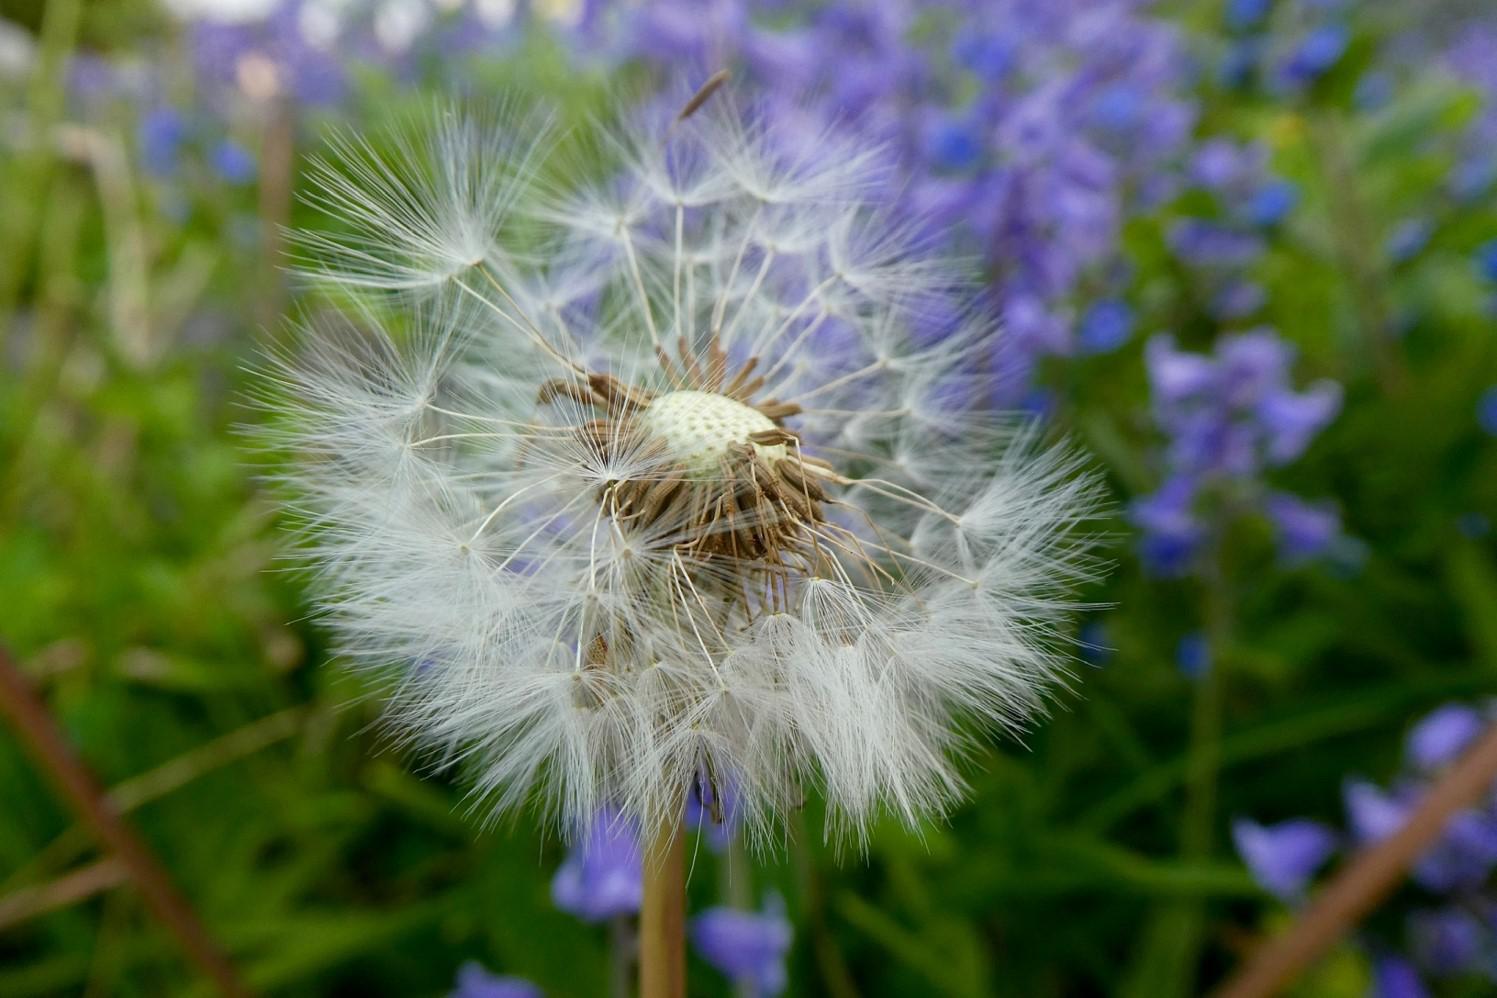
68	889
1368	878
38	731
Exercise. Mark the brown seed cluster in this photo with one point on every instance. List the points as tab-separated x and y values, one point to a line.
754	503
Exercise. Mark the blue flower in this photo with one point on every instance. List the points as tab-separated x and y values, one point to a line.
1292	419
603	876
1305	531
1119	108
1283	857
1193	655
1408	239
1105	326
1038	402
1486	411
952	145
1374	814
1486	260
1272	202
748	947
1442	735
473	981
1243	14
1374	90
1220	163
233	162
1240	64
1395	977
1472	178
1317	53
988	55
1094	643
161	133
1473	524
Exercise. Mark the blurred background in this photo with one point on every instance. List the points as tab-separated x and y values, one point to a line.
1246	254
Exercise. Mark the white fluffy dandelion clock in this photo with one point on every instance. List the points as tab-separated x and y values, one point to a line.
683	477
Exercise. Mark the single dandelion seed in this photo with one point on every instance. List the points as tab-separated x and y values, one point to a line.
659	484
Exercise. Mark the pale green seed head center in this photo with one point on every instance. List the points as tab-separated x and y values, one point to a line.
699	427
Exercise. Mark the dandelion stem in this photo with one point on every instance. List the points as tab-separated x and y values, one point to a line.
662	915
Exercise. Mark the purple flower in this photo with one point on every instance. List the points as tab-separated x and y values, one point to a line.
1027	134
1447	941
748	947
1211	244
1238	299
1105	326
473	981
1473	524
1486	411
1119	108
1252	366
1172	533
1374	814
1272	202
1283	857
1305	530
987	54
1442	735
1176	376
1033	325
1395	977
603	876
1292	419
952	145
1461	859
1221	163
1455	934
1229	417
267	58
1193	655
1464	856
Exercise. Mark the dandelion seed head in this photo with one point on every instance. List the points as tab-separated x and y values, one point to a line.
659	480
